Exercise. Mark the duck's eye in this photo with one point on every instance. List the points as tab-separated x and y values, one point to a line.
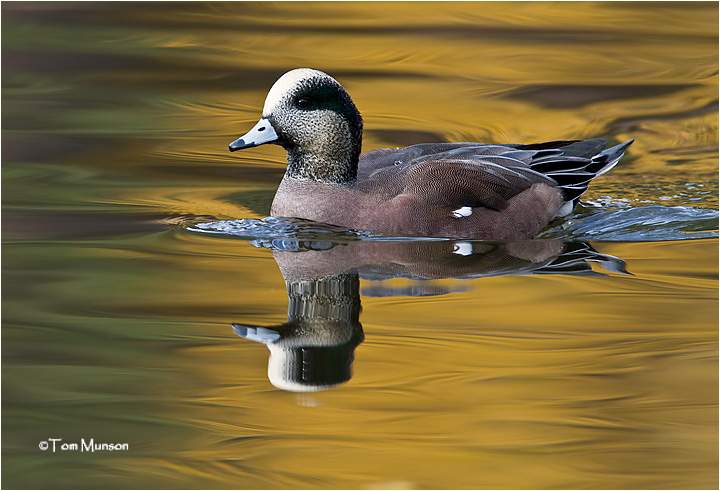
303	103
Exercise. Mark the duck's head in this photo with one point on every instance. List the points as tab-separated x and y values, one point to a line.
312	116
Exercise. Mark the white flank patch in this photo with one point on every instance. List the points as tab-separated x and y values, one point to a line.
286	83
463	248
465	211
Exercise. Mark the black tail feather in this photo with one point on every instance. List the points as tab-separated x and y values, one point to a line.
577	163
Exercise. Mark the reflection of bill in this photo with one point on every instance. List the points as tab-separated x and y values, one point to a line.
314	349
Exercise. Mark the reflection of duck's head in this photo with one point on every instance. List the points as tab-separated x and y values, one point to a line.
314	350
305	361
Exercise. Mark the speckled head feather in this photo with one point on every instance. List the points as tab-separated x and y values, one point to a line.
317	123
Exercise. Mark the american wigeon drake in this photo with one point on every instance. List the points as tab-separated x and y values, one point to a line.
462	190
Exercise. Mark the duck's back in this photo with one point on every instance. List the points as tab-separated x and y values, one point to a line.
537	162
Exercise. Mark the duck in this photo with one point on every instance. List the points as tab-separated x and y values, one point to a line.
464	190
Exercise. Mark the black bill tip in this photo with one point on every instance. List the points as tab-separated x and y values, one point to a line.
237	145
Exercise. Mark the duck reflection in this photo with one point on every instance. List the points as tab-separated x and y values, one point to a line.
314	349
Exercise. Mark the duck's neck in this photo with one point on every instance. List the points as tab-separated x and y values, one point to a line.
330	155
323	168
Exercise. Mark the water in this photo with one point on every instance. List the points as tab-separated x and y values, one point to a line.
142	274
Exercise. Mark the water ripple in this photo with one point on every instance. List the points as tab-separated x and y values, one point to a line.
647	223
276	228
641	224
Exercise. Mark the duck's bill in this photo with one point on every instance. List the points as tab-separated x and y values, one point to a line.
262	132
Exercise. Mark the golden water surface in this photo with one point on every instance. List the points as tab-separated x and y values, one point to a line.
117	318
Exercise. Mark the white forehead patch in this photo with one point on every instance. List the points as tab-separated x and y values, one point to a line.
286	83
